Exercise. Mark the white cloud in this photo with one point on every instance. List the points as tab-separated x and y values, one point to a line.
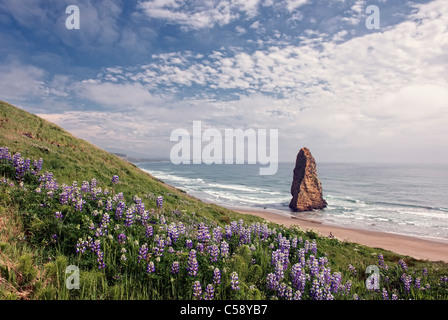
343	98
202	14
292	5
363	92
19	81
117	96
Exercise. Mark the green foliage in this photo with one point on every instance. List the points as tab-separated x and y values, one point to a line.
43	242
26	268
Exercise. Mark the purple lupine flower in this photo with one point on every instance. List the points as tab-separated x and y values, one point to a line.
189	243
279	271
58	215
85	187
150	268
173	232
306	246
406	279
175	267
214	252
140	207
313	247
197	290
192	263
159	202
281	291
119	210
403	265
81	246
64	196
385	294
352	269
217	234
381	262
96	246
37	166
271	281
149	231
315	291
323	261
244	235
100	260
224	249
216	276
417	283
325	275
108	206
314	268
54	238
234	282
115	179
181	228
209	292
301	257
93	183
288	293
4	153
228	231
143	252
99	232
297	295
200	247
105	220
145	217
234	227
283	243
129	216
298	277
79	204
122	238
347	287
203	234
335	282
159	248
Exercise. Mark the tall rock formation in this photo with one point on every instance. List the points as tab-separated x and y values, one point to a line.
306	189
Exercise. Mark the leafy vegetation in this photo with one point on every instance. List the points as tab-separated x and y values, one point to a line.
133	237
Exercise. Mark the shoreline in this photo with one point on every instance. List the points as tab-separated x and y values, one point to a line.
418	248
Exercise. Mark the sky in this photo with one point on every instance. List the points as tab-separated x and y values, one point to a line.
135	71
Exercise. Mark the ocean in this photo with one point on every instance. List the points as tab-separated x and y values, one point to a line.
408	199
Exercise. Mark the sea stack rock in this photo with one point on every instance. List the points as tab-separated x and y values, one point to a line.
306	189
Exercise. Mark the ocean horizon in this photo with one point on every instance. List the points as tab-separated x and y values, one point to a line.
400	198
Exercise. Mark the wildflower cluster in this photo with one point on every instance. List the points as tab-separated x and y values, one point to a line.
175	254
17	165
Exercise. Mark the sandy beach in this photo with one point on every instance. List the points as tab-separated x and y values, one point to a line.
425	249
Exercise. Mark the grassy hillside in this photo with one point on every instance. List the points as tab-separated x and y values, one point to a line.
138	238
73	159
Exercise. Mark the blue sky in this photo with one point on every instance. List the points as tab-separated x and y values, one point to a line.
137	70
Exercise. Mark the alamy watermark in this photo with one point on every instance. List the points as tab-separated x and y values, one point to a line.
73	20
72	281
226	147
373	280
373	21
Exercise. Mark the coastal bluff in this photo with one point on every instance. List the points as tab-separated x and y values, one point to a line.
306	189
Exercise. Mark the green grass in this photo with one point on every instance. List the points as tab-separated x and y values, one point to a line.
32	264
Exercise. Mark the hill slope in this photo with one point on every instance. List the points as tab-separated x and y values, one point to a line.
73	159
138	238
